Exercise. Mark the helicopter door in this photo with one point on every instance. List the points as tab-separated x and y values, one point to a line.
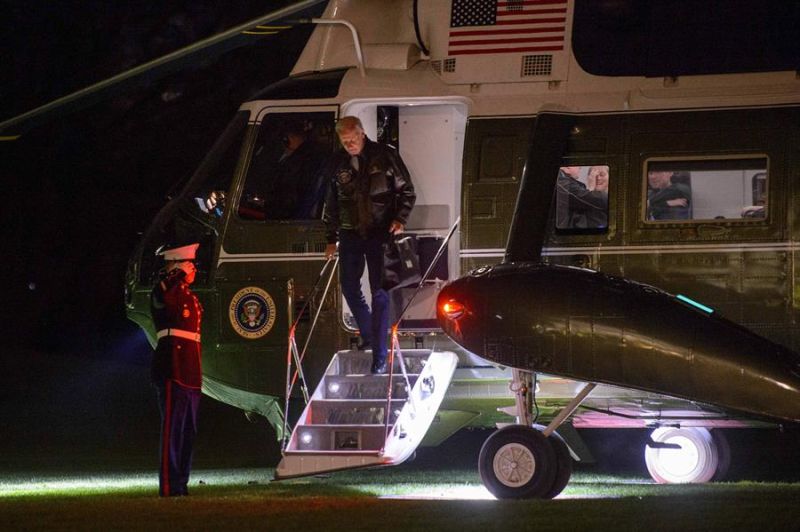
273	239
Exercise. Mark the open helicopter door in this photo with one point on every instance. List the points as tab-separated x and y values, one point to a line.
272	240
429	134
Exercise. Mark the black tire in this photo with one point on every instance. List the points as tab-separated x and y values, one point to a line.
724	450
564	465
517	462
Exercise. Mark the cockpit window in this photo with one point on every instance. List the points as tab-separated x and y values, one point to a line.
284	181
708	189
194	214
582	198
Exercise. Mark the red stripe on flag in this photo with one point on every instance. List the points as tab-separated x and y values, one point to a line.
530	3
517	31
557	38
562	20
562	11
506	50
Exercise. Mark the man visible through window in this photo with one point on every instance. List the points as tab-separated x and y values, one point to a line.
291	191
369	198
597	182
576	203
669	196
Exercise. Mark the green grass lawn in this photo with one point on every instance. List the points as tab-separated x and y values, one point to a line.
403	498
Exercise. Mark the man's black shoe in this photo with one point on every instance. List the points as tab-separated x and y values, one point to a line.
379	369
363	345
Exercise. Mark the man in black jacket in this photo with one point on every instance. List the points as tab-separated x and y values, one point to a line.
369	199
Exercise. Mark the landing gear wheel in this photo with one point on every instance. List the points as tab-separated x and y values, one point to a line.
517	462
724	449
695	462
563	466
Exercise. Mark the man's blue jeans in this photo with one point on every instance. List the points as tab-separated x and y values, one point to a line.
354	253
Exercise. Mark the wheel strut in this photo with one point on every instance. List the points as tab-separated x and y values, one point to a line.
569	409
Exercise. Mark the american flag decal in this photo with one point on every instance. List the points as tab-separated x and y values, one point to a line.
509	26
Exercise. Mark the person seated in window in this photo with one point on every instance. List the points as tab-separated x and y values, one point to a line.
669	197
577	206
597	182
292	187
759	210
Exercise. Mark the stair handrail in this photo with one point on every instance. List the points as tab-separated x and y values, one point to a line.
316	315
292	352
396	342
430	269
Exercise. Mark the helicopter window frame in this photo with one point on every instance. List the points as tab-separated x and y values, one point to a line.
685	172
321	131
187	218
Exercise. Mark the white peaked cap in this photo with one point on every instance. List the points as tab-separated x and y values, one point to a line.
181	253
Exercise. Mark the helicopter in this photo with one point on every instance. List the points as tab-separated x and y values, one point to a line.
545	147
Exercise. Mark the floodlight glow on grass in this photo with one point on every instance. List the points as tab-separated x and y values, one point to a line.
443	492
76	485
72	485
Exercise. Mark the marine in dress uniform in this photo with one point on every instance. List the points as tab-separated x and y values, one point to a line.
177	371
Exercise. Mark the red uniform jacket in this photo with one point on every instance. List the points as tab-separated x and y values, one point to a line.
177	313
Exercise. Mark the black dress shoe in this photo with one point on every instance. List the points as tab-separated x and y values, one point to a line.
379	369
363	345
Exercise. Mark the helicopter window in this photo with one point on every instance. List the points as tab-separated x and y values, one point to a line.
685	37
193	214
209	187
284	181
708	189
582	198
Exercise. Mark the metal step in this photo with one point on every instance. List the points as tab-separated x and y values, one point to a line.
344	424
364	386
354	411
339	438
360	362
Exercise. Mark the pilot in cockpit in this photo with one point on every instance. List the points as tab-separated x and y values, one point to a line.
290	192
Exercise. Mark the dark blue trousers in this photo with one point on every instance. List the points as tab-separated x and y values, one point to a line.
354	253
178	405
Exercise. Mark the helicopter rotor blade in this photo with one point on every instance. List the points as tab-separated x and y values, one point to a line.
241	35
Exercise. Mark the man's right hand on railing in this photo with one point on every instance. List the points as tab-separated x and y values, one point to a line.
330	251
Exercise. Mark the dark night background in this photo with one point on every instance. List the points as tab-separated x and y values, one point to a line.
79	189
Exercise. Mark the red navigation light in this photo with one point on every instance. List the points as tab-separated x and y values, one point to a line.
452	309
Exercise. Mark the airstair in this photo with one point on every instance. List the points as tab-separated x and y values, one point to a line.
356	419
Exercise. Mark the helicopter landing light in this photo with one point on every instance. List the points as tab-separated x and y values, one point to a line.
453	310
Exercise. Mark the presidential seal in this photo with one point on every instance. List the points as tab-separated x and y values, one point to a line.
252	312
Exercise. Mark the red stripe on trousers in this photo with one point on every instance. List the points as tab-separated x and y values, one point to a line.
166	437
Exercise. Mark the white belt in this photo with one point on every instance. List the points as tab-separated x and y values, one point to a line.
180	333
